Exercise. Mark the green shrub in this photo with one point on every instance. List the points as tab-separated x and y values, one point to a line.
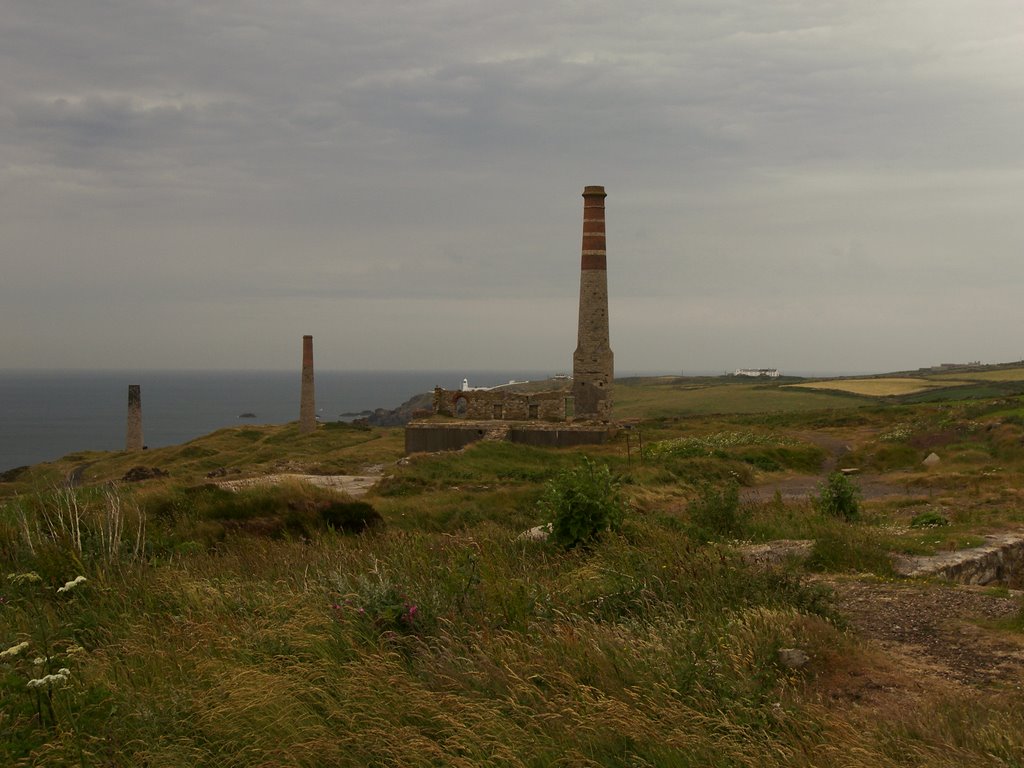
857	548
697	471
929	519
582	502
894	456
802	458
838	496
716	513
375	604
350	516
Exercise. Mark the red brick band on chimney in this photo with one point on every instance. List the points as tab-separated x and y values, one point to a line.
593	251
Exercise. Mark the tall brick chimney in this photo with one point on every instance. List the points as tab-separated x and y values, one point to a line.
307	400
133	441
592	367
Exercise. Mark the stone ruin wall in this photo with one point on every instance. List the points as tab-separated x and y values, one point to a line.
489	405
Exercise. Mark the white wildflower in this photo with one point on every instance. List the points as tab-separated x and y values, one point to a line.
60	677
71	584
14	650
25	578
39	661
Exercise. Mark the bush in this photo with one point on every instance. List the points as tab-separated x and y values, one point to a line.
840	548
582	502
929	519
717	513
838	496
350	516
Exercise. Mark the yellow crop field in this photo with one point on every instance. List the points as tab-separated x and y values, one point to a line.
878	387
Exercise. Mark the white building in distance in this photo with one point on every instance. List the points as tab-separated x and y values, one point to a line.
771	373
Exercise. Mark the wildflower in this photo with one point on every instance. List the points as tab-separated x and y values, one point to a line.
48	681
71	584
72	650
14	650
25	578
38	661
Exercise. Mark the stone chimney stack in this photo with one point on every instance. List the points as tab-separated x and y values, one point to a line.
133	442
307	400
592	369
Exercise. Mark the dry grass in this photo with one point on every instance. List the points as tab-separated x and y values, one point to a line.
883	387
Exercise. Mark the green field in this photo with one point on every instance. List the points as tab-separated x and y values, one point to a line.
675	397
1001	374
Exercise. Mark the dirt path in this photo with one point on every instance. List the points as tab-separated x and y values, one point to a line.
872	486
937	631
74	478
353	485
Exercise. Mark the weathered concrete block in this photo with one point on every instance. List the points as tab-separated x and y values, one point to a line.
999	561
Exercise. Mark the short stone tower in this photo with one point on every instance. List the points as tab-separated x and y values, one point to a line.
307	400
133	441
592	365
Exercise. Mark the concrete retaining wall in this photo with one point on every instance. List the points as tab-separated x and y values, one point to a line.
560	438
999	561
431	437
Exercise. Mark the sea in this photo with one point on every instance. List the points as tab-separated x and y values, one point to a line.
48	414
45	415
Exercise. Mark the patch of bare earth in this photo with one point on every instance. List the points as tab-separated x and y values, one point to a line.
353	485
872	486
922	639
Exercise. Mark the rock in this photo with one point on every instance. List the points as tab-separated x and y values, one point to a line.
793	658
774	553
13	474
402	415
999	561
224	472
537	533
138	474
931	460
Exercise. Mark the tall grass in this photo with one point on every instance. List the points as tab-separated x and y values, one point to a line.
518	655
237	630
67	526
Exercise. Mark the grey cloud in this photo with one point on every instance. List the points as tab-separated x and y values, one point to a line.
755	153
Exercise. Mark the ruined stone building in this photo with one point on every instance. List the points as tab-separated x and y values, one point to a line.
553	417
483	404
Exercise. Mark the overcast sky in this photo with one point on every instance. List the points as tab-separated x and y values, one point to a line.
813	185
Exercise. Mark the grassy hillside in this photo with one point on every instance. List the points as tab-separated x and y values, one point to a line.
878	387
979	382
335	448
293	626
652	398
